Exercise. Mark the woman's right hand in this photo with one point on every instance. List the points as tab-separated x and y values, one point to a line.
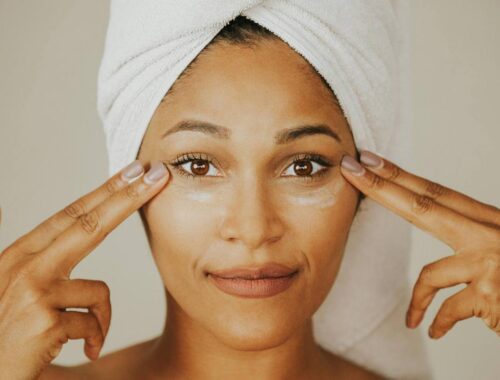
35	287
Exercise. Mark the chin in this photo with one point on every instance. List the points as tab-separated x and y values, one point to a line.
254	334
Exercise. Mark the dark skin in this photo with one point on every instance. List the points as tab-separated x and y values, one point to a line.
225	88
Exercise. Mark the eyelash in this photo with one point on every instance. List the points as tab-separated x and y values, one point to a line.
189	157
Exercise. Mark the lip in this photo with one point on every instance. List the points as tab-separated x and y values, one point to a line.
254	282
256	288
270	270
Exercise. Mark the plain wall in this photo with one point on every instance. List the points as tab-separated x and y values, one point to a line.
52	151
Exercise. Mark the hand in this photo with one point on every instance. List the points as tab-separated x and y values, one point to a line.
469	227
35	288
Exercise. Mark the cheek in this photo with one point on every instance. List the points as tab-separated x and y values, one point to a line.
325	197
178	218
320	217
319	221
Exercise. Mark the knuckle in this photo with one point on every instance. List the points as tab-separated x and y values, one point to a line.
443	319
90	222
131	192
394	172
421	204
75	209
416	305
480	308
33	294
56	346
94	335
491	261
446	314
112	186
435	190
487	291
376	182
104	289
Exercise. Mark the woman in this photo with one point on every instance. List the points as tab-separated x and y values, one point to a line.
266	198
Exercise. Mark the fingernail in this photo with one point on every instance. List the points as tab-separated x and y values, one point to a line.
155	173
352	165
370	159
132	170
431	332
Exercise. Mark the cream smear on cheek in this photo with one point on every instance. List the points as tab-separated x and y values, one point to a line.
202	194
324	197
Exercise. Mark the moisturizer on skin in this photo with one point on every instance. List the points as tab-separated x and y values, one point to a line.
201	194
322	197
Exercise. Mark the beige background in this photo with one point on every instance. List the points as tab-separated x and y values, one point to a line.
52	150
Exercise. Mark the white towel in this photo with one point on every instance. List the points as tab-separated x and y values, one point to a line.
356	45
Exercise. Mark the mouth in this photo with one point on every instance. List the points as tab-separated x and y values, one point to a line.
256	287
268	270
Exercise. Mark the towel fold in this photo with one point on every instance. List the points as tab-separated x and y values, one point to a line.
358	48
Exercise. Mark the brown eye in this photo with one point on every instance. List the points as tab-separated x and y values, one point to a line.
199	167
303	167
196	167
308	167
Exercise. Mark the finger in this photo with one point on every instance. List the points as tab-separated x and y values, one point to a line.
82	237
458	307
78	325
445	272
454	229
43	234
82	293
445	196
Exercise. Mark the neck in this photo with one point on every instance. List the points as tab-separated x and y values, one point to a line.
186	350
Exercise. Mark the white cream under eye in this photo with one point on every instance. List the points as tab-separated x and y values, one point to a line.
323	197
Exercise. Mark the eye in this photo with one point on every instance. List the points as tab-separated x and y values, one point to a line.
309	166
194	165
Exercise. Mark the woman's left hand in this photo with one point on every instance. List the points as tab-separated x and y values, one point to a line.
469	227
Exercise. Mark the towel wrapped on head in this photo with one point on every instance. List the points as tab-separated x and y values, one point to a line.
357	46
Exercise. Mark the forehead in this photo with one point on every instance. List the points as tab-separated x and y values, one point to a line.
267	84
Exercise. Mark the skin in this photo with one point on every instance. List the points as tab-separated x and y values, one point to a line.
207	333
246	215
469	227
249	214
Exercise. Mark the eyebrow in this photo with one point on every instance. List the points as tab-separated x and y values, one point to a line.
282	137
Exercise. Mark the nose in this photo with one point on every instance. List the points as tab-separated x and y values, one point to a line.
250	216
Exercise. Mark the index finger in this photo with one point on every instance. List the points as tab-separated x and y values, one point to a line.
92	227
44	233
451	227
465	205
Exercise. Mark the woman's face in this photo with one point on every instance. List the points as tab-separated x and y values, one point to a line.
236	197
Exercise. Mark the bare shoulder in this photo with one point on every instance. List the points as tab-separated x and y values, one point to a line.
121	364
345	369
